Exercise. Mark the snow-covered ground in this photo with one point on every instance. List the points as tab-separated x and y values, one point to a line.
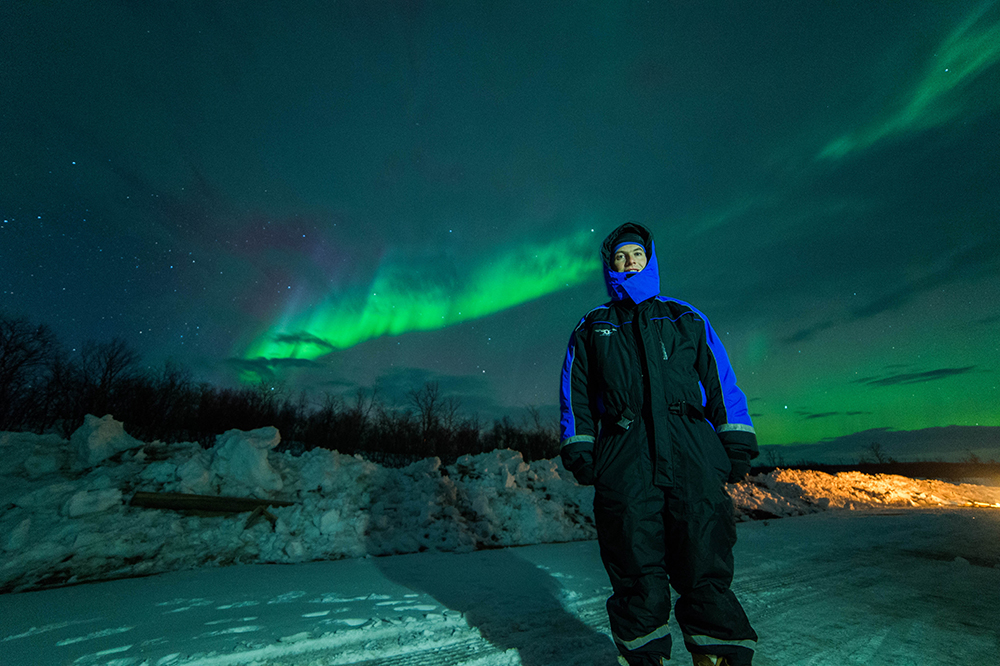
861	581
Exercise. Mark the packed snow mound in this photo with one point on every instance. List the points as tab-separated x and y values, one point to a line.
240	458
64	522
100	438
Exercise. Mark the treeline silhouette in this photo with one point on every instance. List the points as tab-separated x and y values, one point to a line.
43	388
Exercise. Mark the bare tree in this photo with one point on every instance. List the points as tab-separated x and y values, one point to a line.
450	407
427	402
105	370
874	453
26	355
161	403
774	457
107	364
365	402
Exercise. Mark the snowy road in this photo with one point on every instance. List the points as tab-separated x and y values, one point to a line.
907	587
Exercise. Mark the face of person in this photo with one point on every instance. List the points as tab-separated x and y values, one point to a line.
629	259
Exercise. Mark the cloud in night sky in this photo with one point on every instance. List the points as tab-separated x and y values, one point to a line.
915	377
968	261
807	333
824	415
268	369
397	385
303	339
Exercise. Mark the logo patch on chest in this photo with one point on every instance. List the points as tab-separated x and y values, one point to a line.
606	332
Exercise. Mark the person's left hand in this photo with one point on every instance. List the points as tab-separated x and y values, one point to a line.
740	468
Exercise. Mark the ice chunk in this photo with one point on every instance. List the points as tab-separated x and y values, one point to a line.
100	438
329	522
295	550
91	501
18	536
39	465
195	477
159	472
240	459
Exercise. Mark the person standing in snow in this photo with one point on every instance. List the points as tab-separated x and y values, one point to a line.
652	417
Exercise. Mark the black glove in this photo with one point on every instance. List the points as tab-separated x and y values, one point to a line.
581	463
740	468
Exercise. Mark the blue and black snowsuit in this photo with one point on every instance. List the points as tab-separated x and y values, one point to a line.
652	417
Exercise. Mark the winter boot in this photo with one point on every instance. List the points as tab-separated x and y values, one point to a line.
708	660
625	662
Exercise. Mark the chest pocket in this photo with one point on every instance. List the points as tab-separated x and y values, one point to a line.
614	359
678	357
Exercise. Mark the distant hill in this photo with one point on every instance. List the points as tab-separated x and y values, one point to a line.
946	444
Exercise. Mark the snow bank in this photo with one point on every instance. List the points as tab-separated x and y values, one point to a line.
787	492
67	517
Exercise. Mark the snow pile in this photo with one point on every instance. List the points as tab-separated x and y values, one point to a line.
788	492
63	522
67	515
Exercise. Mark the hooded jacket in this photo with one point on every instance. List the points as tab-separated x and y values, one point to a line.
647	389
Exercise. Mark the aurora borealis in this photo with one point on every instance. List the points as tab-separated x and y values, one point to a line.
338	195
396	303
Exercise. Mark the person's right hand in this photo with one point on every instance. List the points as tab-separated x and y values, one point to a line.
579	461
584	474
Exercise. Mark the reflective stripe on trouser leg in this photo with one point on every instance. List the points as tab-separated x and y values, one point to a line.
639	642
709	641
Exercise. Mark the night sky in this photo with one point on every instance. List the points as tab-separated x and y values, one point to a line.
333	195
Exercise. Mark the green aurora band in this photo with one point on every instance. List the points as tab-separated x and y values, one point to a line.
404	299
960	61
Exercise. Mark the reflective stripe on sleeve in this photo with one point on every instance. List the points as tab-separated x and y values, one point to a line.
742	427
577	438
